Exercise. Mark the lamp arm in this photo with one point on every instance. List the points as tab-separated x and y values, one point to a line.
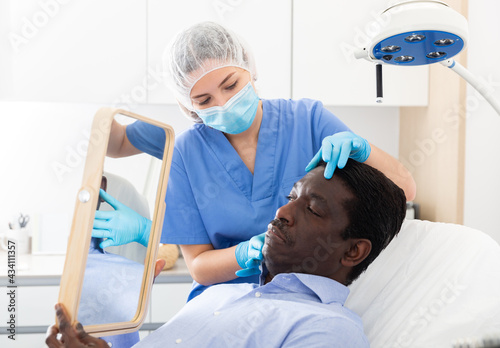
483	89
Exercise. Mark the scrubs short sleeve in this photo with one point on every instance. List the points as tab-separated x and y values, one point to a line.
147	138
325	123
183	223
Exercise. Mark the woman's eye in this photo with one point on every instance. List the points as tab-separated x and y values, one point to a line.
233	85
290	198
204	102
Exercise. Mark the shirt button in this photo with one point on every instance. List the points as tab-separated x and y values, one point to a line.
258	294
216	313
179	340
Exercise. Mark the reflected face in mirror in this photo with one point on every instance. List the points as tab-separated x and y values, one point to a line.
113	280
104	183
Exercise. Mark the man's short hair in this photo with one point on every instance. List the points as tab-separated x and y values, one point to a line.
375	213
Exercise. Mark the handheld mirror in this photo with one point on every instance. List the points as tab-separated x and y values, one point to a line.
107	289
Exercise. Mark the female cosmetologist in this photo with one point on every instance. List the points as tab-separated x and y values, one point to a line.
236	165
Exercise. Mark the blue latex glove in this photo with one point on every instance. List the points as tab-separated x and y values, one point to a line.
249	255
121	226
337	149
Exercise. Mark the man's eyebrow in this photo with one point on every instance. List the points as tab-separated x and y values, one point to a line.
318	197
313	195
296	185
223	81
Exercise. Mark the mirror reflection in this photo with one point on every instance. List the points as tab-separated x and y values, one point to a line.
113	280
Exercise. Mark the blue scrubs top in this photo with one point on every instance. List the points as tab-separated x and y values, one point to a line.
212	197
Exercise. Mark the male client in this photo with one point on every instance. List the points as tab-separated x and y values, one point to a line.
322	240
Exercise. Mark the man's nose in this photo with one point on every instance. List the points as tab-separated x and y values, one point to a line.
286	214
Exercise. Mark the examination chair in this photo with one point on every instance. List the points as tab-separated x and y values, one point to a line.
435	285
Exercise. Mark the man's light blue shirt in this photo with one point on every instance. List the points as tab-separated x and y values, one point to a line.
293	310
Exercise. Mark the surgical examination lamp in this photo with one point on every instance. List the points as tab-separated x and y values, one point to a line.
419	32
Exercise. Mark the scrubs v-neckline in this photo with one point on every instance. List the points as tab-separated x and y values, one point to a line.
259	185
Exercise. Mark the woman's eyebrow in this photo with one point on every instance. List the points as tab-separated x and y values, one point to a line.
223	81
199	96
227	78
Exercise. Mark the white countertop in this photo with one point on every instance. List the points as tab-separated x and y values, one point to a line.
39	266
28	265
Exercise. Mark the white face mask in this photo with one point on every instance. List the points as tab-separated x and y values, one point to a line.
236	116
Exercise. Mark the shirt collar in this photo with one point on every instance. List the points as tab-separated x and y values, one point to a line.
327	290
263	274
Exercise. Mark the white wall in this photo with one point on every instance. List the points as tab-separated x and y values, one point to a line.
482	180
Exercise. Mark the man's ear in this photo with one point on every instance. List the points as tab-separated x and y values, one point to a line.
359	250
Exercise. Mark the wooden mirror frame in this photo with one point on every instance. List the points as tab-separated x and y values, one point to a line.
83	219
